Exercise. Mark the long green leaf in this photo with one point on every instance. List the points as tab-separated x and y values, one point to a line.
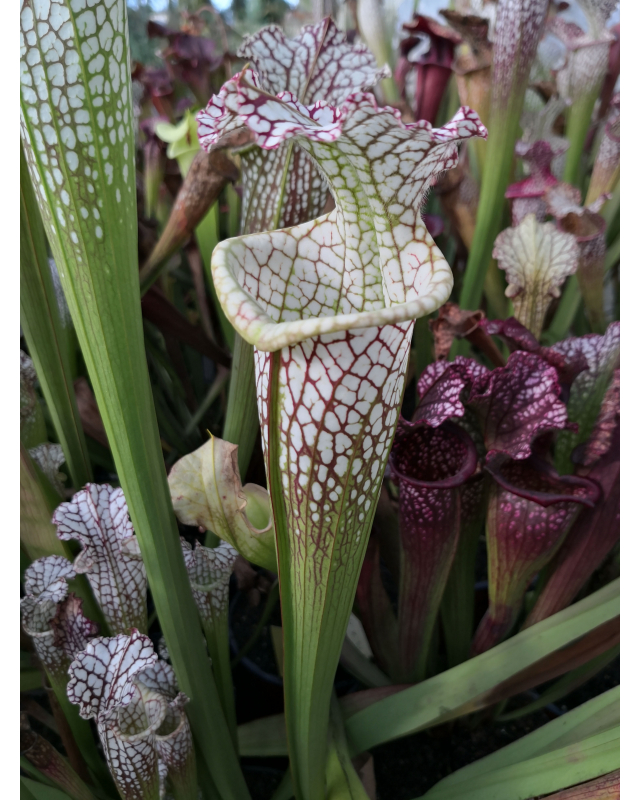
566	312
578	123
600	714
550	772
361	667
460	690
54	769
25	792
241	421
83	170
343	782
38	791
208	236
572	680
27	766
284	790
263	737
42	328
468	686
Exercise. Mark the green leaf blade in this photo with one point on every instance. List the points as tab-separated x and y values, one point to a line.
567	766
76	125
468	686
42	328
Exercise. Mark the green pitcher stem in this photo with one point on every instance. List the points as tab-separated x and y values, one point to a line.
579	120
208	236
457	606
566	312
217	635
496	175
241	422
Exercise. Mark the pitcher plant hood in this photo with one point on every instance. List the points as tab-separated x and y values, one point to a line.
53	617
284	187
369	262
97	516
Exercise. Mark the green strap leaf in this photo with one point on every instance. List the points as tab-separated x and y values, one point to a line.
594	717
465	688
43	331
558	769
343	782
76	126
468	686
570	681
263	737
31	790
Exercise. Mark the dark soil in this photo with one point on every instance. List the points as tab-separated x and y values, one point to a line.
243	619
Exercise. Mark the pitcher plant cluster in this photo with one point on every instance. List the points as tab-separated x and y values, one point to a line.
330	329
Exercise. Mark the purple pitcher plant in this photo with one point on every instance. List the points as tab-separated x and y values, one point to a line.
436	463
590	362
531	510
565	385
432	467
528	195
428	52
509	418
596	532
329	306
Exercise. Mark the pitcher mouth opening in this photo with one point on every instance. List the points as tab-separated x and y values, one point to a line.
250	319
465	469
